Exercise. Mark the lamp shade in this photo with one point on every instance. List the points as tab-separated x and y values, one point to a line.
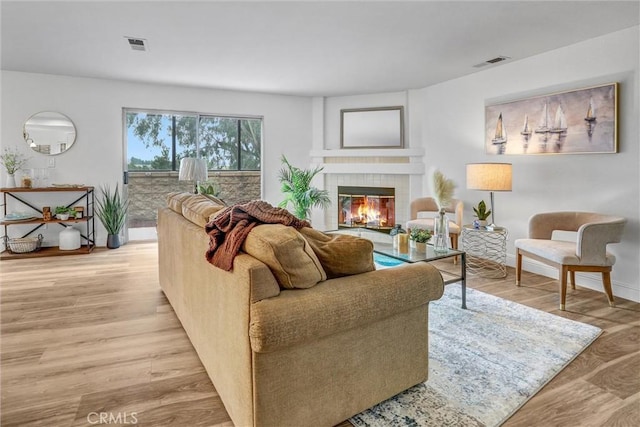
192	169
489	176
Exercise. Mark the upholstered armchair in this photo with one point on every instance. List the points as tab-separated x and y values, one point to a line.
588	253
424	209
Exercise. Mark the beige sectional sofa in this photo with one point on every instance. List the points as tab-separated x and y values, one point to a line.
293	357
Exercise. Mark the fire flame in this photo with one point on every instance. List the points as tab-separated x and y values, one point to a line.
369	214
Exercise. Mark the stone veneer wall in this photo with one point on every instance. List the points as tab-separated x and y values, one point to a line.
147	191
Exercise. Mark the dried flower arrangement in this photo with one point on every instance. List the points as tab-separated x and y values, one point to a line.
443	189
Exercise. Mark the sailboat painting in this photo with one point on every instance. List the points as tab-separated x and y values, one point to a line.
560	122
557	123
543	124
590	118
501	133
526	130
591	112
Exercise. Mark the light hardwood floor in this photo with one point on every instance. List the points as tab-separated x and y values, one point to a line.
90	334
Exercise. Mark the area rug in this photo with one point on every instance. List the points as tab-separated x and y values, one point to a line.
484	362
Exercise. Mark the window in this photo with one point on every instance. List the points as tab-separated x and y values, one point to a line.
157	141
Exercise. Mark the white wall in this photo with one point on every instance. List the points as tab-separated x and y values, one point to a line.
95	106
453	131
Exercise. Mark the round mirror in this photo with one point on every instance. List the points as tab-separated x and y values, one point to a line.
49	133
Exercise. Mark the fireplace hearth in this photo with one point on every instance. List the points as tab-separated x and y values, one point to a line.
366	207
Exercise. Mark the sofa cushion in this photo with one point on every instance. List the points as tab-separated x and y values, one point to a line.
199	209
215	199
340	254
175	200
286	253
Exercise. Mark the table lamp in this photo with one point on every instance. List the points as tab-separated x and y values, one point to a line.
489	177
192	169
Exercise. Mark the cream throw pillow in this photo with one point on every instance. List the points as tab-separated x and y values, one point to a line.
286	253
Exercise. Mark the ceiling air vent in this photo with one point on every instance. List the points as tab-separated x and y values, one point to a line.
491	61
137	43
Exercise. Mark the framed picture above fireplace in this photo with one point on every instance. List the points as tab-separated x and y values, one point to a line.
379	127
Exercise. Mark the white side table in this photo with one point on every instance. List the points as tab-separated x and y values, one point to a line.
486	250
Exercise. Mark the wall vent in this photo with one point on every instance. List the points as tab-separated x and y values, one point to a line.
137	43
491	61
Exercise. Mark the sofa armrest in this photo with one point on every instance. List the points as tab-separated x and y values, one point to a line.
299	315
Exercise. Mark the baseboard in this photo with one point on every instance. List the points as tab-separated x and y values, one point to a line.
586	280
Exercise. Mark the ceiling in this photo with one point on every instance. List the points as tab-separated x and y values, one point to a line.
299	48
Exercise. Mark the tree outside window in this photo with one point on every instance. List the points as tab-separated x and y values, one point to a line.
157	142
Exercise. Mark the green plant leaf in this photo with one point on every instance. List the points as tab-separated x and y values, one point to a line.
481	211
111	209
295	184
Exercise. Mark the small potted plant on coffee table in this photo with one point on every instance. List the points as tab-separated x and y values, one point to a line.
420	237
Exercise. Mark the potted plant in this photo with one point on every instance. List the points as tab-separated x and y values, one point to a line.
296	186
482	213
63	213
12	160
112	210
208	188
211	190
420	237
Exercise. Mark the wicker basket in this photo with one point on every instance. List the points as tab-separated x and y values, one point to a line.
23	245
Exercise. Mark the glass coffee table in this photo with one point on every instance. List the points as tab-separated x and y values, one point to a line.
383	245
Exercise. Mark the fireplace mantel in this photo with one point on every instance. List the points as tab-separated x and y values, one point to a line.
370	152
354	161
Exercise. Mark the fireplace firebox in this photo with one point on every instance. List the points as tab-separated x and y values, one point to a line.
366	207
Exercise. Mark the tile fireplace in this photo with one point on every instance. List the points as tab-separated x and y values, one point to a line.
366	207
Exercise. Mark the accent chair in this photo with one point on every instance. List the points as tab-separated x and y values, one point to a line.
588	253
424	209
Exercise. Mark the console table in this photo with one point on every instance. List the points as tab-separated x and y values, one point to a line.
86	198
486	250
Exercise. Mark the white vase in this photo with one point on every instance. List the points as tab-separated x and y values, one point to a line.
421	247
11	180
69	239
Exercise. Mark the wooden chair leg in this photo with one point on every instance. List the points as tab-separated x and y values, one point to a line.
518	267
454	245
563	286
606	281
573	279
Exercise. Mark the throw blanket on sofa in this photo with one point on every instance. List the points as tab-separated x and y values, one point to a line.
228	230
